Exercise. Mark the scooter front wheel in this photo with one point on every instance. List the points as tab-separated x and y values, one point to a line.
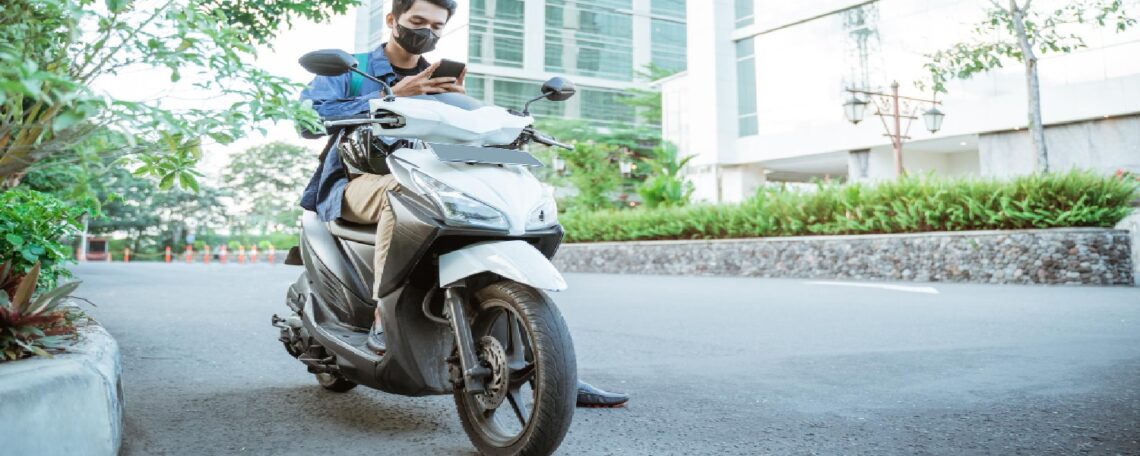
529	399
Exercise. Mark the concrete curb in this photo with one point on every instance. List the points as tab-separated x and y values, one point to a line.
67	405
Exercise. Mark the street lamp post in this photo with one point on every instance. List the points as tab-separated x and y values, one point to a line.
896	107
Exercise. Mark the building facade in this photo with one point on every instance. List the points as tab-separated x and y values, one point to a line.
762	98
513	46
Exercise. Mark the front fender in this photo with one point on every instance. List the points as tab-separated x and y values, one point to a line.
515	260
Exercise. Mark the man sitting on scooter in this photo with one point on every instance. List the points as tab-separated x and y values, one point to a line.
416	28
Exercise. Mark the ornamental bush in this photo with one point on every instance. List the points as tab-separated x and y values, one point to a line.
910	205
33	229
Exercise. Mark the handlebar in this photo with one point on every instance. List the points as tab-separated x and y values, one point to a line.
356	120
545	139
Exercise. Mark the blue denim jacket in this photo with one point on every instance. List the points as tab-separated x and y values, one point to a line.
325	192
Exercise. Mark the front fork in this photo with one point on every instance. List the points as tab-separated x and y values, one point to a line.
472	373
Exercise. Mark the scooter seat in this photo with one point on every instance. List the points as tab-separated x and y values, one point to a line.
364	234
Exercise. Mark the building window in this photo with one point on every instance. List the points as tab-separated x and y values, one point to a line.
590	38
746	86
669	34
497	29
514	93
476	86
511	93
745	13
605	106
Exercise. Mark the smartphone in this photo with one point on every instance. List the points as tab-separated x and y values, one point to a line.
449	69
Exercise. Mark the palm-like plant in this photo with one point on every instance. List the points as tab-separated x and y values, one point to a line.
30	324
666	186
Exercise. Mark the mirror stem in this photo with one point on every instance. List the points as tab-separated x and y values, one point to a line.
391	96
526	108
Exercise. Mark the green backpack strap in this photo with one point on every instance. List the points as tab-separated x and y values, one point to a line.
357	79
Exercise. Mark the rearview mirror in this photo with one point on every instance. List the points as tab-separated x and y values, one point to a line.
328	62
559	89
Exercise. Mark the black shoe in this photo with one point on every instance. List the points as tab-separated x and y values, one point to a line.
589	396
376	339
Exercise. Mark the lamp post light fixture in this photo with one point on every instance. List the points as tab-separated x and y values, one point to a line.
626	167
855	109
933	118
895	107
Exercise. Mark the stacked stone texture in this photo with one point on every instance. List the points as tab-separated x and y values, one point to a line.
1061	256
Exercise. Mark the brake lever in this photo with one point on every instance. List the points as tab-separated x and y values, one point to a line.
564	146
544	139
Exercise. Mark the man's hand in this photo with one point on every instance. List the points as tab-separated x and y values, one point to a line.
424	84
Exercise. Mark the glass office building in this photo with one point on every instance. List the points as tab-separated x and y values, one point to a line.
512	46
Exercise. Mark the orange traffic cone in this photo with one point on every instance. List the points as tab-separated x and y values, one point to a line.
241	254
253	254
168	254
270	254
189	254
126	254
206	254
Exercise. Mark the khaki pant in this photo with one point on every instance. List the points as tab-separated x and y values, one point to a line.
366	202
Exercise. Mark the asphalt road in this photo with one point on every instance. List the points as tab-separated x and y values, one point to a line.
715	366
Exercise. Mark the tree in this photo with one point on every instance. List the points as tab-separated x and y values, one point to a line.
1020	33
267	181
258	21
52	52
592	171
648	101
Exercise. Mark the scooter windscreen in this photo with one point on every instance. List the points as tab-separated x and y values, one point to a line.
457	100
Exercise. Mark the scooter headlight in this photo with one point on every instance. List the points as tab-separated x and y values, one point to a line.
544	216
457	207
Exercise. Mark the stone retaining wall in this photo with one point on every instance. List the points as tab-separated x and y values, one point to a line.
1059	256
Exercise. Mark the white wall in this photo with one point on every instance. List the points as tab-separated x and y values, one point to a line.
1104	145
709	92
802	69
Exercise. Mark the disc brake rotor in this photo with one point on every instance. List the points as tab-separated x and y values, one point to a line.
492	355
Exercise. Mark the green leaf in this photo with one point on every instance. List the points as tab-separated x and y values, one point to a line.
116	6
188	181
16	240
65	120
48	301
167	181
27	286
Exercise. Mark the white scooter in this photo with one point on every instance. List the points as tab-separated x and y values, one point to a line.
463	291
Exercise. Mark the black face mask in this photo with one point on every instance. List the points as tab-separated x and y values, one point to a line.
416	41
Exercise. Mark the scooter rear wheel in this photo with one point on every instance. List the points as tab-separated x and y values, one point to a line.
528	403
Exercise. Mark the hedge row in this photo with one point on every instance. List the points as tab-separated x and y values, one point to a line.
910	205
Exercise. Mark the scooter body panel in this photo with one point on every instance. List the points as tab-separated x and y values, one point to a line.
515	260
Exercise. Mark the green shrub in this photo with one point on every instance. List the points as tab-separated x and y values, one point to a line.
593	173
33	229
913	204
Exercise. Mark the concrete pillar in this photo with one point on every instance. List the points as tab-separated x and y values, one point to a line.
642	35
712	104
534	44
